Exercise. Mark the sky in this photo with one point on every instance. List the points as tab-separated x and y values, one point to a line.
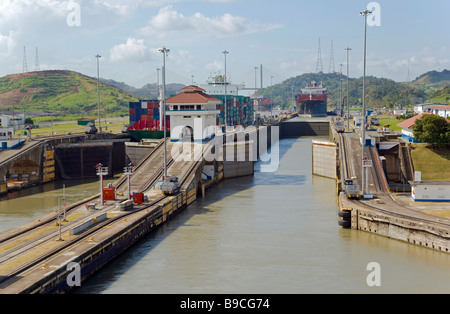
405	38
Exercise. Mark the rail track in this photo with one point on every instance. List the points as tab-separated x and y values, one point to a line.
27	246
384	201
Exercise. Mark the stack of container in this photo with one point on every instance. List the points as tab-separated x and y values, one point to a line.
144	115
239	110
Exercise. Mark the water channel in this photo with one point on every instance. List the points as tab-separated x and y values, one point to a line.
274	232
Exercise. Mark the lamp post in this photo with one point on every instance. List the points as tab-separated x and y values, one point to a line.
348	110
160	100
340	90
98	89
256	69
164	51
364	13
225	84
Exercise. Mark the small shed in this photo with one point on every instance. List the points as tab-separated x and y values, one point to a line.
430	191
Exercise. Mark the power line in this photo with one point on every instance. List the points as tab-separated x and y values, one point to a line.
36	63
319	66
331	67
25	66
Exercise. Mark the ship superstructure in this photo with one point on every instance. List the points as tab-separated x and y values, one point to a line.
312	101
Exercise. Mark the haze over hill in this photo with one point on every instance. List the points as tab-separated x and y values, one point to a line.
64	93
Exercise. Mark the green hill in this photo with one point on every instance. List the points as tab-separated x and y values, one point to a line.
380	92
60	93
148	91
441	96
434	77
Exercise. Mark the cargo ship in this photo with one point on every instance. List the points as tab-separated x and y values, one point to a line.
312	101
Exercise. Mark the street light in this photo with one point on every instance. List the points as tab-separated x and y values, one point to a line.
164	51
365	13
98	89
160	100
225	82
256	69
340	90
348	110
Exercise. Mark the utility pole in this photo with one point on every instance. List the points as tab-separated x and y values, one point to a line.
98	90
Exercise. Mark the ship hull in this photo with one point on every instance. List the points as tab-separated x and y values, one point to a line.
312	108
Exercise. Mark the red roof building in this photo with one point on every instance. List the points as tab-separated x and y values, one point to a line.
407	125
193	114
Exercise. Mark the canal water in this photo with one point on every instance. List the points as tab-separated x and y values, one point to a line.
274	232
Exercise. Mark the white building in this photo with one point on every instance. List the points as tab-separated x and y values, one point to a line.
430	191
425	107
7	121
192	113
439	110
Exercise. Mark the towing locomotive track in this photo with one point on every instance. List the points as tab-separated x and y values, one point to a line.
8	277
386	214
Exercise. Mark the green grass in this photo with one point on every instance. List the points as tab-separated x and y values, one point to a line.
392	121
114	125
433	163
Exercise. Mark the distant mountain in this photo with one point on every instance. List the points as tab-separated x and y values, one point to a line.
433	77
60	93
148	91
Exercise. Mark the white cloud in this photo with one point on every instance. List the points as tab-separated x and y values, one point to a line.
397	67
170	20
133	50
7	44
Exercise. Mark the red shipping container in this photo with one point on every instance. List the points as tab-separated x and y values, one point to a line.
138	198
109	194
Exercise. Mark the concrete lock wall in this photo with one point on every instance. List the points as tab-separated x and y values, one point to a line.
324	159
403	229
239	162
